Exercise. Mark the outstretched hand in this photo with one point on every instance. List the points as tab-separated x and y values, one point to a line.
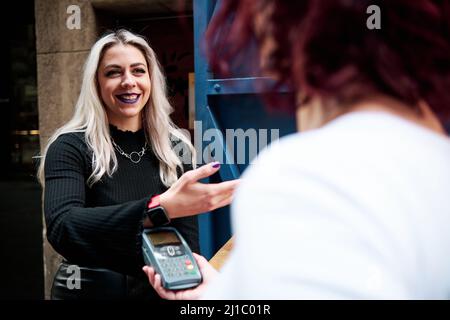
207	271
187	196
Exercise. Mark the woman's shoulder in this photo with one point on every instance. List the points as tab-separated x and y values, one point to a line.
74	141
68	149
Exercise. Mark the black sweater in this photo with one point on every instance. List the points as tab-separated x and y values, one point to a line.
100	226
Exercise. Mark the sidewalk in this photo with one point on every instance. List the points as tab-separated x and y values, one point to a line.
21	240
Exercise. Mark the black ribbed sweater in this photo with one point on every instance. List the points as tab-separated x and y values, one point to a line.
100	226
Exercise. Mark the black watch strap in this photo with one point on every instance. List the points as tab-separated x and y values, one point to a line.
156	213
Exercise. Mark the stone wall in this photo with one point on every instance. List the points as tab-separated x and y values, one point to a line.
61	53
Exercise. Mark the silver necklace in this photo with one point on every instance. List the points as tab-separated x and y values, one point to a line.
134	156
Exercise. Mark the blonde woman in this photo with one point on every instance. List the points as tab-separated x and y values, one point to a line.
111	165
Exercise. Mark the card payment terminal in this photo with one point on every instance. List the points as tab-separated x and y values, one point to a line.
168	253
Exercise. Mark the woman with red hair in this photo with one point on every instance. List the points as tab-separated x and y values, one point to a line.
355	206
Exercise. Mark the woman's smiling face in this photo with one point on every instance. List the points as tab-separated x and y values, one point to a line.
124	83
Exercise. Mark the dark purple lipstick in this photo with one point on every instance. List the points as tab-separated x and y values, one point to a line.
128	98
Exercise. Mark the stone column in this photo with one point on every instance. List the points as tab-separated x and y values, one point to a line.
61	52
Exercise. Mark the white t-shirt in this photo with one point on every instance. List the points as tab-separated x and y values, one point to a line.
359	209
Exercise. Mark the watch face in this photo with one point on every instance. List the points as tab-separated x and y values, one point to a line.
158	216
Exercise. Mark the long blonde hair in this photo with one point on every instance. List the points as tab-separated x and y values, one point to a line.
90	116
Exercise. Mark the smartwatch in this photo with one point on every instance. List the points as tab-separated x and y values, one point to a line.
156	213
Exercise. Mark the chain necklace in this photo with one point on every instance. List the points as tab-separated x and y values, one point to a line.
134	156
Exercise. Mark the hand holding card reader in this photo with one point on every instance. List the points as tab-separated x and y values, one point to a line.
168	253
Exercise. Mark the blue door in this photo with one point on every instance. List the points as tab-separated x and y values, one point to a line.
232	124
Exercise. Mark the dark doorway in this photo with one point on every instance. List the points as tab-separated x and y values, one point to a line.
20	204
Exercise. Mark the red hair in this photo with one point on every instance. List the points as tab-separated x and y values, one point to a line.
324	48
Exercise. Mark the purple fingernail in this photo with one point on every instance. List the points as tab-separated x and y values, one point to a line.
216	165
